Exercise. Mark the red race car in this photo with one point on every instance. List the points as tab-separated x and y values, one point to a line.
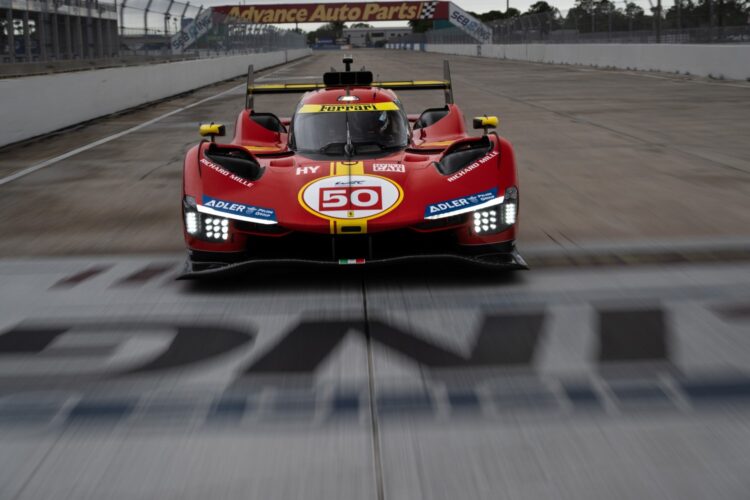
350	179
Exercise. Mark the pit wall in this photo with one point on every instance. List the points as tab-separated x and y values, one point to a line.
37	105
731	62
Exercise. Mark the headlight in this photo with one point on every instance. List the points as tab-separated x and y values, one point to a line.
510	206
203	226
485	221
191	222
192	217
497	219
216	228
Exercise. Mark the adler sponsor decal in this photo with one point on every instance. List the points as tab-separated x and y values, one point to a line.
242	211
226	173
388	167
471	167
463	204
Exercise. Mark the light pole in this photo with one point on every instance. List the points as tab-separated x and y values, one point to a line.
658	21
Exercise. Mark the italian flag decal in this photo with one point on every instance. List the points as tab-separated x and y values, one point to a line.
345	262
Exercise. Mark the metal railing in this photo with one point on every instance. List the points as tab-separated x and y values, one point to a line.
611	25
147	25
56	31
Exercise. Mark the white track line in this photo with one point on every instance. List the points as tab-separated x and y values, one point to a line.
107	139
92	145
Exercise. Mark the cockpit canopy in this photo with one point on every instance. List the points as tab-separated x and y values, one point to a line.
369	127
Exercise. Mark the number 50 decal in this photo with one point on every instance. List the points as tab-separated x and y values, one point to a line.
356	197
350	197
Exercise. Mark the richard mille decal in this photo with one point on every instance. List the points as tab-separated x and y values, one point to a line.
471	167
226	173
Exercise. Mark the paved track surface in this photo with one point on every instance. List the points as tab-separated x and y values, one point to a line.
116	381
602	155
573	380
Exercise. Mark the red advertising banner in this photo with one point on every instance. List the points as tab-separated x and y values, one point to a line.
328	12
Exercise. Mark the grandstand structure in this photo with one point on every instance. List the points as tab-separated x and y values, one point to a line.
54	30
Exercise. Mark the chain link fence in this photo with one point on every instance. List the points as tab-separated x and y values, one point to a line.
603	21
146	26
50	35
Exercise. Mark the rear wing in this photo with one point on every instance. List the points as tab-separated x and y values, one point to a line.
253	89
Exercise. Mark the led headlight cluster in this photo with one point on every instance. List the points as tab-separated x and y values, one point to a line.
192	217
509	213
485	221
204	226
192	222
498	218
216	228
510	206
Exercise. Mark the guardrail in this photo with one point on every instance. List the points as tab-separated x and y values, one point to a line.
31	109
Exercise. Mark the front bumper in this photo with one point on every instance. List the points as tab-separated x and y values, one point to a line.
389	247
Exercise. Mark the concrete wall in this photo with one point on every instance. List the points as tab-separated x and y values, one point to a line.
37	105
731	62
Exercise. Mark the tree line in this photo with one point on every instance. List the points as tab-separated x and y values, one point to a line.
595	15
606	15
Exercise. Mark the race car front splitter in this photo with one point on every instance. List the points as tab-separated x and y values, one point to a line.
506	261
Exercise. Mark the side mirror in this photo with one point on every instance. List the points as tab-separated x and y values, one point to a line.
212	130
485	122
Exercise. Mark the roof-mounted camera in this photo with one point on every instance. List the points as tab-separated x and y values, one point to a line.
348	60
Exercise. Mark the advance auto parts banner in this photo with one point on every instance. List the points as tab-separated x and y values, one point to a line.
328	12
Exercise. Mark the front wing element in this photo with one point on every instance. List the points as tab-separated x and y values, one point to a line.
508	261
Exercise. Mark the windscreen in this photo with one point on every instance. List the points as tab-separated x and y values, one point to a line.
319	130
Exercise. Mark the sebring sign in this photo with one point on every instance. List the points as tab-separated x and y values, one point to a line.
469	24
199	27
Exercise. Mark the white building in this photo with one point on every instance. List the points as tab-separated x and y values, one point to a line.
363	37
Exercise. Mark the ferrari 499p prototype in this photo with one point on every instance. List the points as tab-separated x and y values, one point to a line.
350	178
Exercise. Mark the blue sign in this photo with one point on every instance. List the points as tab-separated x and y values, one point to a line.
460	204
232	208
